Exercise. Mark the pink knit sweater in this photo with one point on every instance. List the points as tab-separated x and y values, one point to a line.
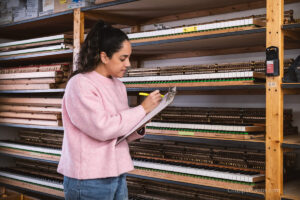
95	113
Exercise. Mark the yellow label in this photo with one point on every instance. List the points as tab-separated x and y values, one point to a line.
185	133
190	29
62	1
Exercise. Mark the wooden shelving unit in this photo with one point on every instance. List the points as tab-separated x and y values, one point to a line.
136	13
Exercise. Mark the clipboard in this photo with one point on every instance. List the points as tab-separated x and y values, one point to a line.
168	99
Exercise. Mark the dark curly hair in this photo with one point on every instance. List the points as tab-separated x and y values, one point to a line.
101	38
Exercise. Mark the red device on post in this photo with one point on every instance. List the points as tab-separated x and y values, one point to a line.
272	61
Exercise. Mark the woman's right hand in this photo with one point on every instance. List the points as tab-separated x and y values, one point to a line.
151	101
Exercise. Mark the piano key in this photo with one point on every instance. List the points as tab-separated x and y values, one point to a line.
235	128
208	26
200	172
189	77
30	148
39	181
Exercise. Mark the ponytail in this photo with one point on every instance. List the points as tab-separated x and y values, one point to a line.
101	38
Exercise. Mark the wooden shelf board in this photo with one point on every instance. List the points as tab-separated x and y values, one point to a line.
249	38
291	141
260	88
61	55
111	4
149	9
29	158
38	27
140	174
257	143
291	88
40	18
291	26
288	142
29	154
195	84
32	91
224	91
256	140
291	190
49	24
32	186
138	10
290	85
58	128
32	193
41	26
254	37
144	10
291	91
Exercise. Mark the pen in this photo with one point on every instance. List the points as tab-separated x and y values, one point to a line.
147	94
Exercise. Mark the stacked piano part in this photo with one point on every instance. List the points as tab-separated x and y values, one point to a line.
35	176
35	47
228	123
243	73
31	111
232	168
222	26
143	189
43	138
37	144
34	77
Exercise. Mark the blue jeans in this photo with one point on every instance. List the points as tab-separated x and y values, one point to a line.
113	188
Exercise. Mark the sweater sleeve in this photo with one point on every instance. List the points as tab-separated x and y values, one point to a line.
85	108
134	136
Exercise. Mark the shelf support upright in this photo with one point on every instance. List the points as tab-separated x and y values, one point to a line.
274	104
78	35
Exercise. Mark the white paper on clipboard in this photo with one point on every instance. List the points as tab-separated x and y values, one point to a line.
168	98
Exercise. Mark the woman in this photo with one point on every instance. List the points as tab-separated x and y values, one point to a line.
95	114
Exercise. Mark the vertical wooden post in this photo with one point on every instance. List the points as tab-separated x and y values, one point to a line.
274	104
136	63
78	35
